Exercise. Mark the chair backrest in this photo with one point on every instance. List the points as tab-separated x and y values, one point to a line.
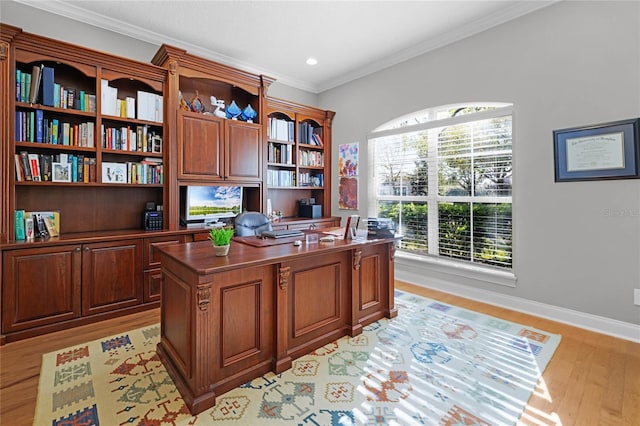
251	223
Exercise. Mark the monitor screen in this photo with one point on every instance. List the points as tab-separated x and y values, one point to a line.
210	203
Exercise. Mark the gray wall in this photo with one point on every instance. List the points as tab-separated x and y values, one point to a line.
577	245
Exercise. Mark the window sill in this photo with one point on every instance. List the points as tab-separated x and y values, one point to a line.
457	269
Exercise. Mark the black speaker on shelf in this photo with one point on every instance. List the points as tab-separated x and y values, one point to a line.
310	210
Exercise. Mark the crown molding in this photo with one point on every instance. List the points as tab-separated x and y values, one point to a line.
76	13
472	28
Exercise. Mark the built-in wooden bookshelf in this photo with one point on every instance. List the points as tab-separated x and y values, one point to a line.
139	135
210	149
298	157
92	129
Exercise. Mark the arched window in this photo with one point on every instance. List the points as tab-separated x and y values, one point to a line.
443	175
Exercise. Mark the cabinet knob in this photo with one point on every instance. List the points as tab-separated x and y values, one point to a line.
77	249
86	249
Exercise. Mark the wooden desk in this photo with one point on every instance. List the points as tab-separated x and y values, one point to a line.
227	320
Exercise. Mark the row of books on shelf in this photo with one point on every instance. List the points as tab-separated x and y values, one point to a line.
311	158
39	86
278	153
310	135
33	126
311	179
54	167
287	178
31	167
145	106
279	129
31	225
147	172
138	139
281	178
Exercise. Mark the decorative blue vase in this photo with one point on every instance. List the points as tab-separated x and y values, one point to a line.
248	114
233	111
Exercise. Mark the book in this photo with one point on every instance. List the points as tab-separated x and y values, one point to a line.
80	168
65	133
18	166
51	228
27	87
18	85
90	134
32	126
39	125
34	162
92	169
34	90
71	98
18	128
39	226
130	107
46	161
54	131
56	95
26	165
85	169
73	159
28	228
47	86
19	230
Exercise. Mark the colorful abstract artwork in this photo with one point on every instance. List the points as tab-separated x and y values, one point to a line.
348	193
348	174
348	160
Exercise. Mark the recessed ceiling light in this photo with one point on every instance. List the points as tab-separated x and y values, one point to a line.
312	61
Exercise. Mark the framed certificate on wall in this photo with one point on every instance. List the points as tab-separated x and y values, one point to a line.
602	151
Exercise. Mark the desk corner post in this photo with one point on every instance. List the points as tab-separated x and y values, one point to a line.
282	359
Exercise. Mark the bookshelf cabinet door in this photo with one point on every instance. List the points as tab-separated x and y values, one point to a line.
41	286
111	276
244	151
200	149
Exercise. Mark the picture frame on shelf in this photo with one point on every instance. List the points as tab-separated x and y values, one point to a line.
61	172
156	144
598	152
114	173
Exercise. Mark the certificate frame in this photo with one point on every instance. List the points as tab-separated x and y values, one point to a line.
598	152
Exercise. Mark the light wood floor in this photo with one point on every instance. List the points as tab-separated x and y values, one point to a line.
592	379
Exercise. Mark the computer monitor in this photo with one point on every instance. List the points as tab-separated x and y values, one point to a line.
207	204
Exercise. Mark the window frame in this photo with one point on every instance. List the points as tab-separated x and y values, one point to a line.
463	268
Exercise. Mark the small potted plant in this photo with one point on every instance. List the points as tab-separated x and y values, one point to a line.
221	238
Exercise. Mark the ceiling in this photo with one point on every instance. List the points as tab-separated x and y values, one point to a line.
350	39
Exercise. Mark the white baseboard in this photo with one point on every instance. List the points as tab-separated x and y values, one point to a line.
591	322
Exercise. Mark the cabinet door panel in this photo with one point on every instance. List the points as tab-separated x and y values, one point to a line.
244	152
244	319
325	279
112	276
200	147
372	274
151	245
40	286
152	285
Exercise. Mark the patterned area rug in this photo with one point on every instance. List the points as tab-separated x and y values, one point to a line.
433	364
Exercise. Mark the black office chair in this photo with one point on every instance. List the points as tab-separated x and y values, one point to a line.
251	223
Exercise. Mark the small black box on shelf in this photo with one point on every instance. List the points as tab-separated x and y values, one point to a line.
310	211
